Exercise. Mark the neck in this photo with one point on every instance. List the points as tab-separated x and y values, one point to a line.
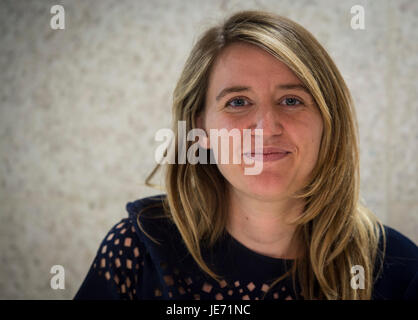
263	226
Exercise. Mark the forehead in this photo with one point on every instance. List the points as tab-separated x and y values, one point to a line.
246	64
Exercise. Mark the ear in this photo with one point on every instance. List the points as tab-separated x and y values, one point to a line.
203	140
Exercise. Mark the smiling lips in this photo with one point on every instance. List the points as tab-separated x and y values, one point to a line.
268	154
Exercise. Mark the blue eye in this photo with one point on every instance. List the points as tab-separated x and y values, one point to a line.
292	101
240	102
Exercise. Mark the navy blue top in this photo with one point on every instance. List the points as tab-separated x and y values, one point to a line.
129	265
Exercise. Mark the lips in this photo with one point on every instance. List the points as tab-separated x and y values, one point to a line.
267	154
267	150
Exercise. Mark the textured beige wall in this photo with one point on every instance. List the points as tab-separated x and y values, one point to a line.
79	109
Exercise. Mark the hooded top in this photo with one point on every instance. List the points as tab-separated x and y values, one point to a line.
129	265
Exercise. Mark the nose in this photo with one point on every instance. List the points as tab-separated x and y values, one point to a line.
268	119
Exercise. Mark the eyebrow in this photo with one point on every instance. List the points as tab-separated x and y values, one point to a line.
287	86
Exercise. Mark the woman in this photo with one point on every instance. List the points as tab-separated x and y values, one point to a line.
295	230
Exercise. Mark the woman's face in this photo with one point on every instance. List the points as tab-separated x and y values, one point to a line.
271	98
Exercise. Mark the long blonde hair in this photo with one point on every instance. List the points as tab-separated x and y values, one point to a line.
336	230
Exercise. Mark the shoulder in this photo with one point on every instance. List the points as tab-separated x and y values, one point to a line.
127	259
125	242
155	227
154	203
116	267
149	218
399	276
120	249
400	246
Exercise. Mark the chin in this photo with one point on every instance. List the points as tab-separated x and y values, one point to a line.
267	185
266	192
271	184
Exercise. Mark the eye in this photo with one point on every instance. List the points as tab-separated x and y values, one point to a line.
292	101
237	102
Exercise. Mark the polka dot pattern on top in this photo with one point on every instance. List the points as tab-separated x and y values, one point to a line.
120	262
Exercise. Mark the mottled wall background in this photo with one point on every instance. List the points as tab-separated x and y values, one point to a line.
79	109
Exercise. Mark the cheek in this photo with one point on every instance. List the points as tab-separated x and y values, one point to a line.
234	127
317	136
219	121
310	138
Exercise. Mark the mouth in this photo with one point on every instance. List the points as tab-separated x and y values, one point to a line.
267	155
